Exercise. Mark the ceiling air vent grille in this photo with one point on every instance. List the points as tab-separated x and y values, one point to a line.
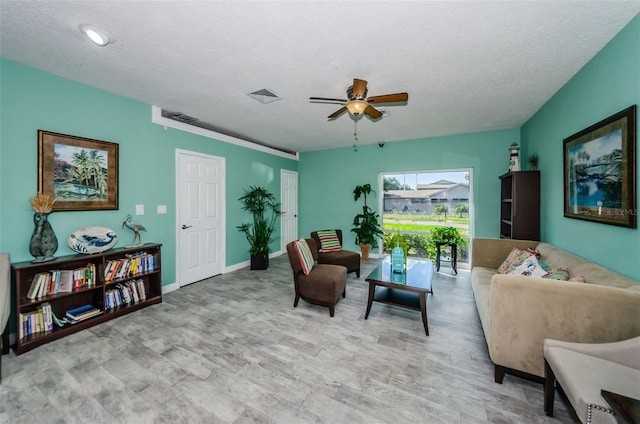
264	96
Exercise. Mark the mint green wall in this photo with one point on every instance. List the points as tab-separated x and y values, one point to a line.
327	178
33	100
609	83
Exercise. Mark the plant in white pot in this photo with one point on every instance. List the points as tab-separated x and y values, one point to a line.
365	224
265	210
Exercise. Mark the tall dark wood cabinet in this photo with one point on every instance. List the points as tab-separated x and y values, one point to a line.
100	287
520	205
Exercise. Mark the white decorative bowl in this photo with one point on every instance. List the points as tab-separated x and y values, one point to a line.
92	240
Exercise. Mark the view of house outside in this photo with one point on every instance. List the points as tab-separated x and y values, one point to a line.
415	203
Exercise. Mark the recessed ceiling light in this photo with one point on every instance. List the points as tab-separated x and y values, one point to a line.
97	36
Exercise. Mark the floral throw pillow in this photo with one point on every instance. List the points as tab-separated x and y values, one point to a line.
529	268
515	258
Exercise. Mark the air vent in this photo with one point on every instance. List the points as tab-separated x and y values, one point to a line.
181	117
264	96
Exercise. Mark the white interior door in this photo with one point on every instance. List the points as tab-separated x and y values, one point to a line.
289	201
200	216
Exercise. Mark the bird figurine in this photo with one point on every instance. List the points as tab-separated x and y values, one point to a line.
136	228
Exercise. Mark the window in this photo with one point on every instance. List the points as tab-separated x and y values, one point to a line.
415	202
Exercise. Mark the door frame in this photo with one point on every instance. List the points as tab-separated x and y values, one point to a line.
283	244
223	214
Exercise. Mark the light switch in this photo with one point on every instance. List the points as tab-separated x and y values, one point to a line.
139	209
162	209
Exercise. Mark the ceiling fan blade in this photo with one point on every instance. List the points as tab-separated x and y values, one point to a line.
337	113
389	98
373	112
328	99
359	88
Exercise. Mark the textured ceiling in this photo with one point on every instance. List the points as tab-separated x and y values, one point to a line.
467	65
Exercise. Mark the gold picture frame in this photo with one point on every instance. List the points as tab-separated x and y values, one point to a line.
81	173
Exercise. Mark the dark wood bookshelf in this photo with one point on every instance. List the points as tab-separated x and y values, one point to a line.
22	274
520	205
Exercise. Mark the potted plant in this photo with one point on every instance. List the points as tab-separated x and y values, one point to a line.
444	236
365	224
265	210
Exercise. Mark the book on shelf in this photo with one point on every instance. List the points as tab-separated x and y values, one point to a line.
61	281
128	293
36	322
130	266
82	313
65	281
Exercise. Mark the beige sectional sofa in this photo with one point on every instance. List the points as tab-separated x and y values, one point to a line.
518	313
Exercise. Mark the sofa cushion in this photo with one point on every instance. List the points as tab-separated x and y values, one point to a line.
596	274
556	257
515	258
329	241
304	255
481	284
529	268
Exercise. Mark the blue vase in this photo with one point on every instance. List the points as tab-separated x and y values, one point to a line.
43	242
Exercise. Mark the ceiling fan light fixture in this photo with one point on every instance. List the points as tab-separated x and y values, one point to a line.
97	36
356	107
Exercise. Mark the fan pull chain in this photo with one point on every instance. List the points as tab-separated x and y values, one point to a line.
355	136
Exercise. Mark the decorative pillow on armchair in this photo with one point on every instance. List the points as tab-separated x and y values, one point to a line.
304	255
529	268
329	241
515	258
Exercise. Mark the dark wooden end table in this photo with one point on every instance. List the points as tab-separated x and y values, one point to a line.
407	290
453	259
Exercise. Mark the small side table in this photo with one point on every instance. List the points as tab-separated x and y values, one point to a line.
453	259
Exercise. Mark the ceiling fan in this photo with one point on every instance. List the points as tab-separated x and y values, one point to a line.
358	102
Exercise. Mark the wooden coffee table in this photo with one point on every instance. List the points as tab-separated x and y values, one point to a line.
408	290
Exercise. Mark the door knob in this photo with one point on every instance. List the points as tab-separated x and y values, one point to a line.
184	227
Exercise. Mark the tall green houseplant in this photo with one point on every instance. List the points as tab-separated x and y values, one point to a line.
265	210
366	225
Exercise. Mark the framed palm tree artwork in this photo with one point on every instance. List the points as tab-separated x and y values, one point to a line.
600	172
82	174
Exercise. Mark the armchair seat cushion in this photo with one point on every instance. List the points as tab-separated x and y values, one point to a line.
325	283
346	258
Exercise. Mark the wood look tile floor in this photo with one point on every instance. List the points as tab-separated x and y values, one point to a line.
232	349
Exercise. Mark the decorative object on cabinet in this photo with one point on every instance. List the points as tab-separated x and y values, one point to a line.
514	159
520	205
366	225
599	171
43	243
105	281
533	162
82	174
91	240
136	227
265	211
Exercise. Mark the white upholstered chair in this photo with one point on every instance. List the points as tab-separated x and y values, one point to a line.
584	369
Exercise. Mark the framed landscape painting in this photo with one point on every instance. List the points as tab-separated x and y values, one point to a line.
82	174
600	173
